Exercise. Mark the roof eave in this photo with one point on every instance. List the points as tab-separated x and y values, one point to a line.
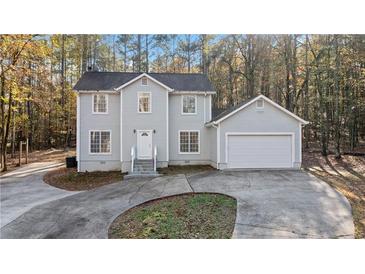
193	92
95	90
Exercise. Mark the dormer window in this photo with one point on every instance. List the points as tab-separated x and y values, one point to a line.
260	104
144	81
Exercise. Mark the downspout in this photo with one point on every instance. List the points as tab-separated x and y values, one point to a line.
78	131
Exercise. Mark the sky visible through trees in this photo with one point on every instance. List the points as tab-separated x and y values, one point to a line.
319	77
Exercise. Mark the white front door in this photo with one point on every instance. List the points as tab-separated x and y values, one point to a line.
144	144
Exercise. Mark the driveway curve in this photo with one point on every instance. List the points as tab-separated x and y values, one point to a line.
271	204
23	188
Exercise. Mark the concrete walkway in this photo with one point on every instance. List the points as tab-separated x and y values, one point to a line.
271	204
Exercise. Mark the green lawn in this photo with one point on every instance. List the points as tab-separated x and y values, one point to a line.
187	216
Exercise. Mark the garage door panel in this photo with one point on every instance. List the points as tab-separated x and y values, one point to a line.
259	151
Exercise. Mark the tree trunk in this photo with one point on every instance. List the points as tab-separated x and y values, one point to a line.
125	55
147	60
84	53
6	131
306	95
139	52
337	106
189	53
63	71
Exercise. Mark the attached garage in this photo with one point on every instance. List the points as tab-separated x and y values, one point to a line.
257	134
255	150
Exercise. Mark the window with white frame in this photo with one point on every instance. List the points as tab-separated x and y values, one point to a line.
189	104
189	141
100	103
100	141
144	102
260	104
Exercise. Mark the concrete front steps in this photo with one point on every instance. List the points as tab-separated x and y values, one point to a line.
143	168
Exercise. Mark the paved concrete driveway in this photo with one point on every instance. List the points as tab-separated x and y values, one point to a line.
22	189
271	204
282	204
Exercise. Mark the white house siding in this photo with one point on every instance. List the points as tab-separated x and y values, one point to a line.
132	120
90	121
178	121
269	120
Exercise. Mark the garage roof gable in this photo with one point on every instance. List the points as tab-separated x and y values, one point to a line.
226	114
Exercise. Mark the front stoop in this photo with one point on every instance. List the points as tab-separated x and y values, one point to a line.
143	168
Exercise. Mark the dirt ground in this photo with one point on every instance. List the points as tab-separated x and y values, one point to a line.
346	175
56	155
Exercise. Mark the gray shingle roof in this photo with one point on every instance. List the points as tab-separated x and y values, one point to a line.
111	80
219	113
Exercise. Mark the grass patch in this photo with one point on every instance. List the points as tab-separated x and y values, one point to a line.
70	179
186	216
184	169
347	176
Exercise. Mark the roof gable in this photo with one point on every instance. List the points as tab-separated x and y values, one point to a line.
192	82
144	75
228	113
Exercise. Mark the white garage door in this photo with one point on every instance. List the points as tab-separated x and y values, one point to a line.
259	151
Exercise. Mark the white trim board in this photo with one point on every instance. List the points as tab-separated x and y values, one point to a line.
121	127
218	145
167	127
78	131
197	92
254	100
292	134
96	91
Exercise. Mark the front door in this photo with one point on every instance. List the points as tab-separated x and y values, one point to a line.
144	144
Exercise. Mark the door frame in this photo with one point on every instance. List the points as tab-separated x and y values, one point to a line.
292	134
138	134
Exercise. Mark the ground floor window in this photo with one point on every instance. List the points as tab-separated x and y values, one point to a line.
189	141
100	141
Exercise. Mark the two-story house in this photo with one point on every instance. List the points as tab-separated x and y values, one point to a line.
135	122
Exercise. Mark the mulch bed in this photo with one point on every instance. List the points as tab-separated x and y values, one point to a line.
184	169
70	179
186	216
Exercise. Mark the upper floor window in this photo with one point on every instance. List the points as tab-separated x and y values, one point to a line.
260	104
189	104
144	81
100	103
100	141
144	102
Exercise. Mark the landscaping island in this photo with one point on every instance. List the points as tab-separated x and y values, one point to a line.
186	216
